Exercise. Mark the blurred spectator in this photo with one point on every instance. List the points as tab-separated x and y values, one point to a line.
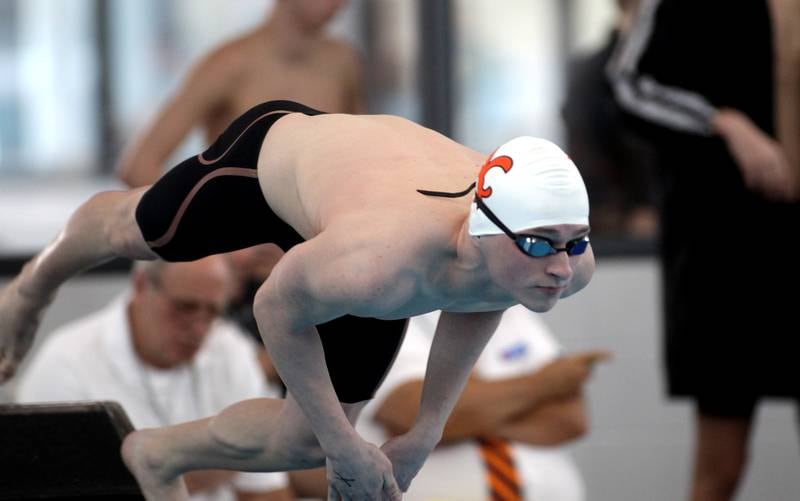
617	164
522	403
707	99
163	354
288	56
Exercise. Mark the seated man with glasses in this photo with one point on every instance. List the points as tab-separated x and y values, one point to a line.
348	198
163	353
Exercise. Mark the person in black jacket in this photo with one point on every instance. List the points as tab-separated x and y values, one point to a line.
701	82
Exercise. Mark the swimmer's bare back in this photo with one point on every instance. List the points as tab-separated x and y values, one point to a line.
316	170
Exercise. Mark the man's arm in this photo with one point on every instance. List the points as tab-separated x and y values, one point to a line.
489	407
761	159
484	406
307	287
552	423
457	344
786	29
563	416
204	89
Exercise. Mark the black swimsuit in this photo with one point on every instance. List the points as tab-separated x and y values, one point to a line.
212	203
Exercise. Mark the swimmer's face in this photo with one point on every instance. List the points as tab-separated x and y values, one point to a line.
536	282
315	14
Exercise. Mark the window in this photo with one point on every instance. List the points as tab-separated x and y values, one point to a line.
47	106
508	71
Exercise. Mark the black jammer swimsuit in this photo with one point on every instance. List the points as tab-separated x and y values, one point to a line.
212	203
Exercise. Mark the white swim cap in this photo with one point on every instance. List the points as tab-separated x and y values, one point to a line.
529	182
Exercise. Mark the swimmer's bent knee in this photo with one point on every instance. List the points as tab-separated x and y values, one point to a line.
111	213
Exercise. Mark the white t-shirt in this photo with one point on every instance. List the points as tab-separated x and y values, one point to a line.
456	472
93	359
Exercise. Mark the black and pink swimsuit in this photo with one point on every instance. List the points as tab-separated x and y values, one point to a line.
212	203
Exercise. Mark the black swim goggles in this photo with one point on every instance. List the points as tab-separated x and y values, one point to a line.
535	246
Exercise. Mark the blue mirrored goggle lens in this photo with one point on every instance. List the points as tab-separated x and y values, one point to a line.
576	247
535	247
539	247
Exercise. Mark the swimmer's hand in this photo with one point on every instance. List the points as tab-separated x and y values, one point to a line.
408	453
362	471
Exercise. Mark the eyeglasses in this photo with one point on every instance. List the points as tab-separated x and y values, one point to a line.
188	308
535	246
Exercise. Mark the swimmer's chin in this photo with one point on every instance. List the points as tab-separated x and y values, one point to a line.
540	305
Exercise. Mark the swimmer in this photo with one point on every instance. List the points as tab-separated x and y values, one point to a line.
368	210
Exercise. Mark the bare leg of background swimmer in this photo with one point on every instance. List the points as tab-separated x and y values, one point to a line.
253	435
102	228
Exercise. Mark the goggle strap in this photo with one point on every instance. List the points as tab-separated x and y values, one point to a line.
494	219
447	194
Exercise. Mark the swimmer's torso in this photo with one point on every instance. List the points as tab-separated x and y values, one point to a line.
357	176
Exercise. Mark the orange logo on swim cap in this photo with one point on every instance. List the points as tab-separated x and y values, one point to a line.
504	162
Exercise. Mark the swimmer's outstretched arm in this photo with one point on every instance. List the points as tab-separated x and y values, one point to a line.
457	344
306	288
